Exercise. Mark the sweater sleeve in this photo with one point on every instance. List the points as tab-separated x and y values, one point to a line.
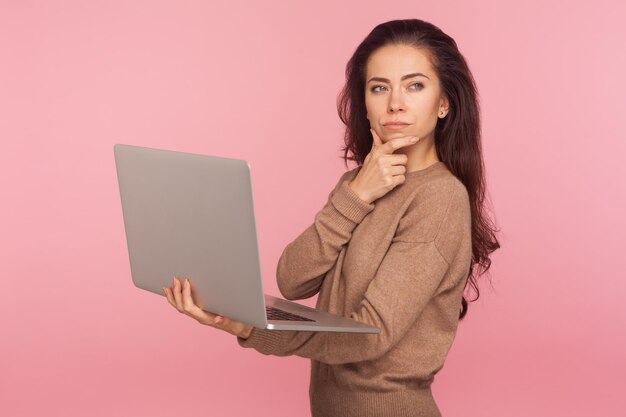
406	280
305	261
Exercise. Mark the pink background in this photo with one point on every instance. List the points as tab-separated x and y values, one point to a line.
258	81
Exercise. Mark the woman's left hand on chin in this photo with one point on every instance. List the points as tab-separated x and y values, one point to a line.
179	296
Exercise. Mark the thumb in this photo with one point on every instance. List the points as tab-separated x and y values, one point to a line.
377	140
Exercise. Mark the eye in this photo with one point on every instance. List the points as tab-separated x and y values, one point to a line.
416	86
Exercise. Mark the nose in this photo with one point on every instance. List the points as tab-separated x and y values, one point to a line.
396	101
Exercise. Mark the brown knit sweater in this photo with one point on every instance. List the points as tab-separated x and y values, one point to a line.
400	264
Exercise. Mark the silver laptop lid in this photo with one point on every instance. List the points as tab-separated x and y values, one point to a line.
192	216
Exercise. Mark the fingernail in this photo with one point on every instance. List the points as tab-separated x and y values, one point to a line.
414	139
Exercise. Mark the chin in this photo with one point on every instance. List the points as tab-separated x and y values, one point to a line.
394	135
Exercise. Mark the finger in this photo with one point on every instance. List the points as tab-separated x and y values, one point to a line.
397	143
188	304
376	139
193	310
397	170
178	298
169	296
394	159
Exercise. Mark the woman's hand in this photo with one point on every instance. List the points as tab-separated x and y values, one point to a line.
179	296
381	171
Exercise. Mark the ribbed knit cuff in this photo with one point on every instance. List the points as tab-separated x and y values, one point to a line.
327	399
349	204
265	341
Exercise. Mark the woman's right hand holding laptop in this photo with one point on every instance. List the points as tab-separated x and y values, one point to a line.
179	296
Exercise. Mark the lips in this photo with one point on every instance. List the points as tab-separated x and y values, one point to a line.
396	125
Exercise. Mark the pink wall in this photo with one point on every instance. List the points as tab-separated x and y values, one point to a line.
76	77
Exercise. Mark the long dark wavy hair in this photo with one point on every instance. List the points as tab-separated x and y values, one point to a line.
457	136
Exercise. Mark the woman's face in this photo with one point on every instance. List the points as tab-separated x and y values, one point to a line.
394	92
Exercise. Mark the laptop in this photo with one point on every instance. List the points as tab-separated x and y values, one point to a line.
192	216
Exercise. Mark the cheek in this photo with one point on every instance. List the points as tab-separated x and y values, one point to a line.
374	109
425	115
424	110
368	106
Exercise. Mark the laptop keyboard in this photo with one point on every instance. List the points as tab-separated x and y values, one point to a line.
274	313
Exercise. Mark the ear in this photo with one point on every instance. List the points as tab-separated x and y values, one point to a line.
444	106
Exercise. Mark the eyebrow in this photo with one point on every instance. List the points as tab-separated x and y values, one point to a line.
404	77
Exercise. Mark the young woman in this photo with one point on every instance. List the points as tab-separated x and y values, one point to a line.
400	236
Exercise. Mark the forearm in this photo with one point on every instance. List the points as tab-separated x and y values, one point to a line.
305	261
